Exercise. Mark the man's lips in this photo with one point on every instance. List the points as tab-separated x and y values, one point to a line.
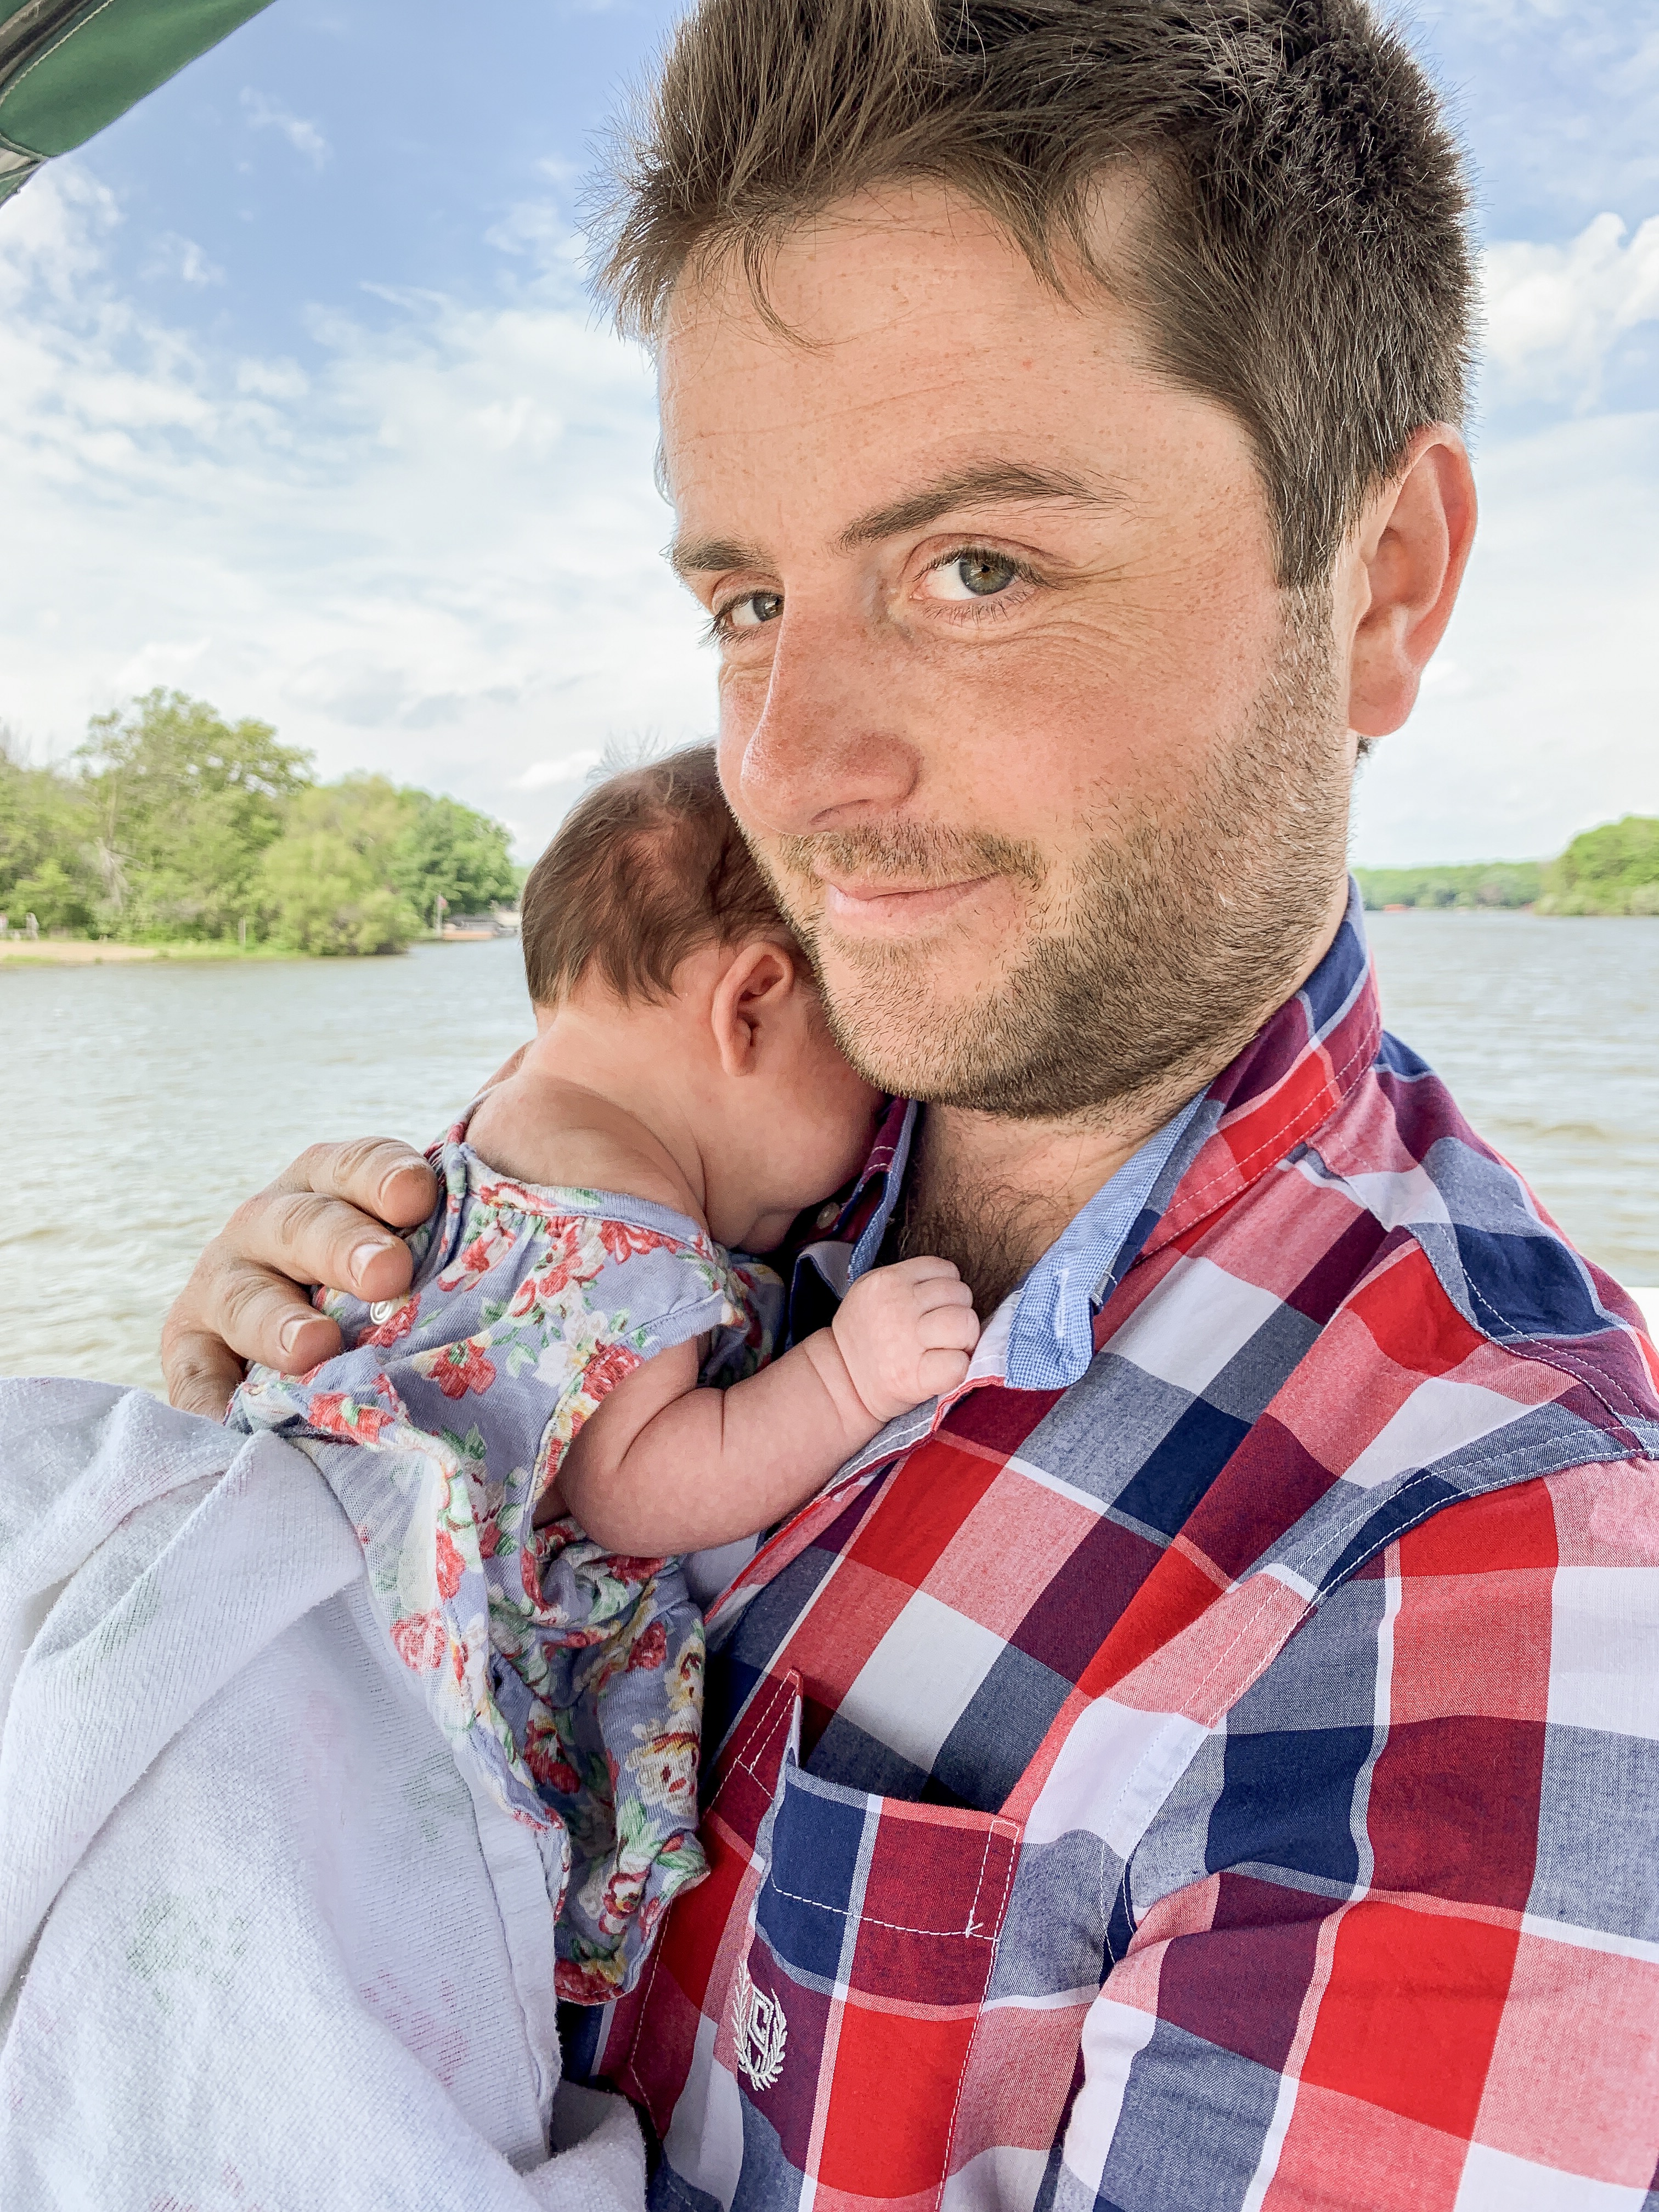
861	906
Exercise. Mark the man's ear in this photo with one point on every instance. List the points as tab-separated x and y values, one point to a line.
757	984
1402	570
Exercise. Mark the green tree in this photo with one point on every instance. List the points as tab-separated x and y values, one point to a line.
448	850
1612	870
46	840
326	885
1480	884
182	806
173	823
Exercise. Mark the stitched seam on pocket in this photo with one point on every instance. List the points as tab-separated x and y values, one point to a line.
764	1724
979	2017
1101	1905
870	1920
978	1879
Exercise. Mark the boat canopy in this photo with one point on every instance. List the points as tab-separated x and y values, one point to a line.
68	67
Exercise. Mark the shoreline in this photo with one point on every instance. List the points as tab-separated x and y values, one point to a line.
96	952
1535	913
91	953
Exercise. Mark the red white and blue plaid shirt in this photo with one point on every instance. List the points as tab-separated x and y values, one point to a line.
1212	1761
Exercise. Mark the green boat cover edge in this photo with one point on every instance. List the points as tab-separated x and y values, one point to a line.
67	70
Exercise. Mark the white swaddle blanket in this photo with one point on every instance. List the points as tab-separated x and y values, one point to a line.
260	1943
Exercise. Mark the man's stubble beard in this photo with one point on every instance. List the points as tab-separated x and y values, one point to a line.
1145	975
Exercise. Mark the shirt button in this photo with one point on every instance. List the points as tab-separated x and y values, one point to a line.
827	1215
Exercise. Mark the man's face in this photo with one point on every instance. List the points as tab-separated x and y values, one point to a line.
1048	772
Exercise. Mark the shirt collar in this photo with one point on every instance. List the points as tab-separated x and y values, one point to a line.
1286	1080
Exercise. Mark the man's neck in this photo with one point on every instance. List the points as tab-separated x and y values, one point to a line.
991	1194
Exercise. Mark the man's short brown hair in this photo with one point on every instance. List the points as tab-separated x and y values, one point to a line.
648	867
1307	261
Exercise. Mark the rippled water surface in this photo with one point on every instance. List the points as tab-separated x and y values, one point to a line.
143	1102
1547	1031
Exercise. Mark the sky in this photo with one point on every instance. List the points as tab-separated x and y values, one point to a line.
305	412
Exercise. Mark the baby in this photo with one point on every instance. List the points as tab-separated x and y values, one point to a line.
523	1442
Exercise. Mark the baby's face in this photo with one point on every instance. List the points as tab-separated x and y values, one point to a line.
809	1122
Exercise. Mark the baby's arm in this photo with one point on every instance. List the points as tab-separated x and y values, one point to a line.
665	1467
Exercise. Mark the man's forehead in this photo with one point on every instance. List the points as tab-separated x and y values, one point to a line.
896	365
867	306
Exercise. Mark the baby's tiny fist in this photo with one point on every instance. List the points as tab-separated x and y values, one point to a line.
906	1333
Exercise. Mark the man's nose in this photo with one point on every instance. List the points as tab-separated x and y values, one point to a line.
828	746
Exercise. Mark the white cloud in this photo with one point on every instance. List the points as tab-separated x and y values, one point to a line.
55	236
306	140
434	552
272	380
542	775
182	258
538	230
1554	313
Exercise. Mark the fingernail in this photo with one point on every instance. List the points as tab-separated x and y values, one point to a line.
289	1334
363	1255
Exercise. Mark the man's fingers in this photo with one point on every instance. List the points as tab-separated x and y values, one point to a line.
201	1372
324	1219
388	1180
309	1239
263	1315
331	1218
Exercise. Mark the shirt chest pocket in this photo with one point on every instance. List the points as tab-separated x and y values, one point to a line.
856	1981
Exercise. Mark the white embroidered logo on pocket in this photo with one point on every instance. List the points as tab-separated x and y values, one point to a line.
760	2030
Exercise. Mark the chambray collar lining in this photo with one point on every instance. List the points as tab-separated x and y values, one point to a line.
1051	1337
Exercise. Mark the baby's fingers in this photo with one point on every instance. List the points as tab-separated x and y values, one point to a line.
934	1291
927	1268
939	1372
948	1328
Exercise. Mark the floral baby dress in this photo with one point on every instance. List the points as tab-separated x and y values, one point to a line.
569	1677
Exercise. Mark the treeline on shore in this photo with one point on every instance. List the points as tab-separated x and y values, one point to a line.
170	824
1612	870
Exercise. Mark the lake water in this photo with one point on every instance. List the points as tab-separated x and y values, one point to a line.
142	1103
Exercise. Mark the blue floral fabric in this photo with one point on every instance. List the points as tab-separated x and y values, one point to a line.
569	1677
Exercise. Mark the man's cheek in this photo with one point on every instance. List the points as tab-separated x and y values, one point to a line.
799	895
741	693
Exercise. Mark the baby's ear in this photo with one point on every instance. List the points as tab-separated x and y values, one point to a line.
760	979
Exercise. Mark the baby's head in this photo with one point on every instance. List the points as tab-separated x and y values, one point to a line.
647	911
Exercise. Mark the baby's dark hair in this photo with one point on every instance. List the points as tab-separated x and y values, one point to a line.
645	868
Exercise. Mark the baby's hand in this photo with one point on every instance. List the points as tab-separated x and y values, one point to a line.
905	1332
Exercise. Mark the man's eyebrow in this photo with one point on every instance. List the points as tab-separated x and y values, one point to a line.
991	484
710	557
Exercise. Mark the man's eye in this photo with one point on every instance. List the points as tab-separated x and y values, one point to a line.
974	574
751	611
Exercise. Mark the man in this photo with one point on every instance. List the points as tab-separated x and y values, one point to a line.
1211	1762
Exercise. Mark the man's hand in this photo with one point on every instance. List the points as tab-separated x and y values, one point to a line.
329	1218
905	1332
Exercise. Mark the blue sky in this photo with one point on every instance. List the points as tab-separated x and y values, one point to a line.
307	412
